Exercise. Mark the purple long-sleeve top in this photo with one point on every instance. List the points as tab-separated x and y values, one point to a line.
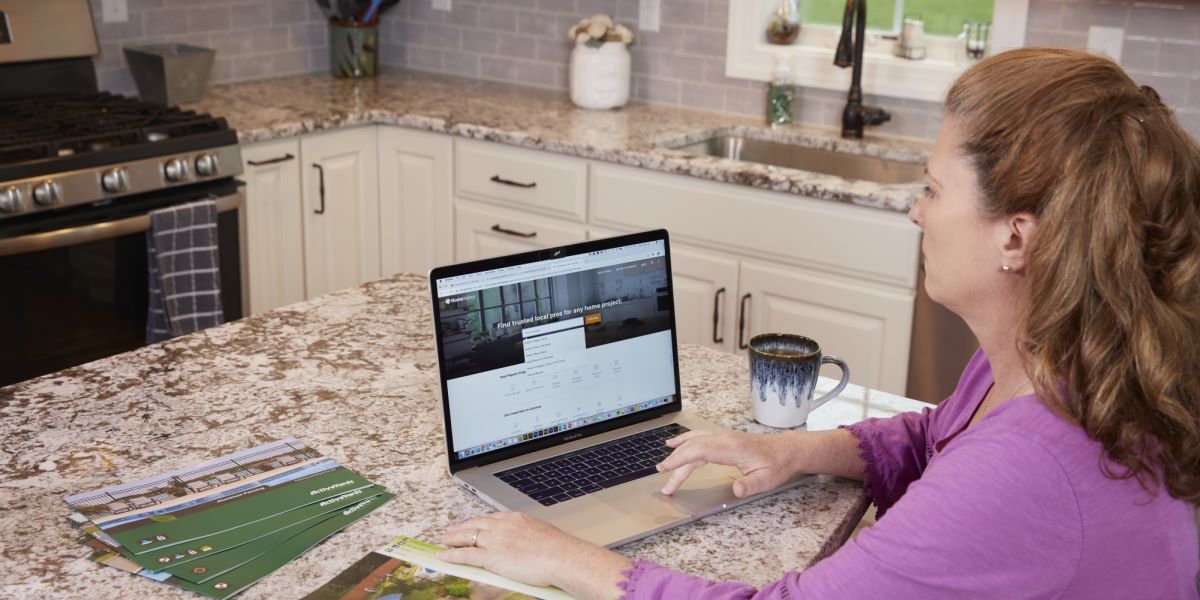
1014	507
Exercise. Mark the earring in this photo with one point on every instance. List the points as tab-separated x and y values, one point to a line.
1005	268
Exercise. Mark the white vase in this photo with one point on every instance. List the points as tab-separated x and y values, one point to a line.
600	75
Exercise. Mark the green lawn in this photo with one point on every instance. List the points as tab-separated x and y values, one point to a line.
942	17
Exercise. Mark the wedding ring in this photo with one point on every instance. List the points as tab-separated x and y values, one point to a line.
475	538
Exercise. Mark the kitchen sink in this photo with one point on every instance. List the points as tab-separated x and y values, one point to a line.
793	156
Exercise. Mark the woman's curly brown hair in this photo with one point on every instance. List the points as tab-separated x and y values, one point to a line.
1112	326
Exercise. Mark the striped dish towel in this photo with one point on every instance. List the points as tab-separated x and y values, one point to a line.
185	277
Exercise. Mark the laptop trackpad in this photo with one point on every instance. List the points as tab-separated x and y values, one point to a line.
706	491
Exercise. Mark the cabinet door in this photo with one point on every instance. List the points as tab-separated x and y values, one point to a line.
484	232
274	233
341	209
705	289
416	207
867	326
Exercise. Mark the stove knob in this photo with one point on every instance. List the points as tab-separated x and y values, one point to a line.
206	165
115	180
47	193
12	200
176	170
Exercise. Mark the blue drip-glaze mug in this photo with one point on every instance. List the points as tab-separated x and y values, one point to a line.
783	375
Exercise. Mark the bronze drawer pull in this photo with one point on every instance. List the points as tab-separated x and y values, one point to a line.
498	229
259	163
717	338
499	179
742	345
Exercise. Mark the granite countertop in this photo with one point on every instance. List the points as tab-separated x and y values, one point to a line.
546	120
352	374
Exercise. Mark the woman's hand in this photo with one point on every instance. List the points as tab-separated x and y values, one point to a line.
766	461
523	548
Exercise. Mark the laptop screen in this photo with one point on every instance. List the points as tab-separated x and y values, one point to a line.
560	341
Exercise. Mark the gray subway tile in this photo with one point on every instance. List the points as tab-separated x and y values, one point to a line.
209	18
1178	57
480	42
269	40
699	41
165	21
1161	21
464	64
250	17
703	95
1140	54
516	46
496	67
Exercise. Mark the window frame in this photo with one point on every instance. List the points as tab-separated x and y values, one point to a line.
749	56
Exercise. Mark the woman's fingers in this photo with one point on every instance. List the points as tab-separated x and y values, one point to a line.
683	437
680	475
467	556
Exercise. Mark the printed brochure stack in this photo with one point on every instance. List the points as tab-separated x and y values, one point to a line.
217	527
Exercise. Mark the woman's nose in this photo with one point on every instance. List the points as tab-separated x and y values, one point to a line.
915	214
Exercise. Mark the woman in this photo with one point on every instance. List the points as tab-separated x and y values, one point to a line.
1061	222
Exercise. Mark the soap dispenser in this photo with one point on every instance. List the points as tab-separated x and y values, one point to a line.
781	93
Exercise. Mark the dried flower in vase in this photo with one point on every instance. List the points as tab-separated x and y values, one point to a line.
598	29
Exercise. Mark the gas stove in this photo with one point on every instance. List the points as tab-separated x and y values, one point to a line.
69	149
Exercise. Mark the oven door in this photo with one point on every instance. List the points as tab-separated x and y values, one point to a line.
75	288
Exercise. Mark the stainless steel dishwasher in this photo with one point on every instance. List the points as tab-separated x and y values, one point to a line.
940	348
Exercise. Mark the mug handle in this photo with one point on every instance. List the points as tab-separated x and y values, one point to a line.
837	389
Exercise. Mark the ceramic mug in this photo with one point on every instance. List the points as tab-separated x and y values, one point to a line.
783	375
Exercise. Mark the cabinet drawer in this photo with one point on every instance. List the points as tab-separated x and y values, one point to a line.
544	182
860	242
486	231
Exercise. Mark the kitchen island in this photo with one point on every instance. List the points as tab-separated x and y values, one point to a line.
353	374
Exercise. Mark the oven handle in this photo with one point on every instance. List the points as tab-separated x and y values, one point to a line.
71	236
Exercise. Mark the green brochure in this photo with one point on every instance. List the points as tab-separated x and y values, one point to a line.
215	545
178	528
212	565
242	577
409	568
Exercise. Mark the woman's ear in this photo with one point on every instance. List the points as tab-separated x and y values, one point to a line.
1015	232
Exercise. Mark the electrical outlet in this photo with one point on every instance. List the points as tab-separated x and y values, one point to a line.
649	15
1106	40
441	5
114	11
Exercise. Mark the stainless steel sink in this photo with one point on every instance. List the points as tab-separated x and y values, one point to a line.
793	156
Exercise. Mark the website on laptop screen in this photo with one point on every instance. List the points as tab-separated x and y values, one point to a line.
537	349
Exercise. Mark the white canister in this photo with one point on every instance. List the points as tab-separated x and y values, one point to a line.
600	75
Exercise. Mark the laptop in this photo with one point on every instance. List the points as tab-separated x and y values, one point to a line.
560	383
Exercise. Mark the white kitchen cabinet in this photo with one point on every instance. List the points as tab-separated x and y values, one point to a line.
705	286
416	203
842	275
274	232
866	325
341	209
543	182
486	231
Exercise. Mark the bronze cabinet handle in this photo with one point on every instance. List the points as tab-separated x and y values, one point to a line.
499	179
259	163
320	187
498	229
717	338
742	323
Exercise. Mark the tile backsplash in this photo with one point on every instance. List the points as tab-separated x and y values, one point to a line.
253	38
524	41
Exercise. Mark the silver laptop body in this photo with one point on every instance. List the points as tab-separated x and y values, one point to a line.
549	353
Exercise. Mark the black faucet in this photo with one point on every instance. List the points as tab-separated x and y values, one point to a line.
850	53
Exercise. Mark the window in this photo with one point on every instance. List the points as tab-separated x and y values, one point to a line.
749	56
513	302
942	17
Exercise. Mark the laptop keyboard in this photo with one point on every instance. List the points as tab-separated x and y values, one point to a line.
594	468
